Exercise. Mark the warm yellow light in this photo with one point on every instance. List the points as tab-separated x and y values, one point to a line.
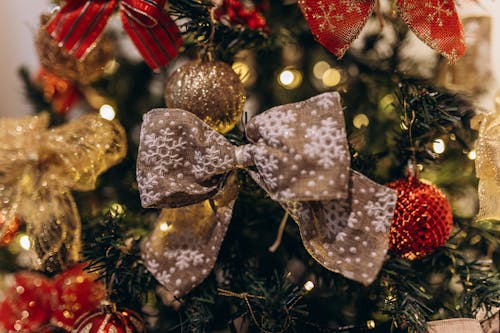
320	68
290	78
438	146
25	242
360	120
165	226
243	70
309	285
472	155
107	112
286	77
331	77
386	101
111	67
370	324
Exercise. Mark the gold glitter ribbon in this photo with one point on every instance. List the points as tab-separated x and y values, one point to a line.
298	154
38	169
488	165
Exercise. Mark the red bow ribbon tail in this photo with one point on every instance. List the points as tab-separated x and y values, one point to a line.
79	23
336	23
153	32
436	23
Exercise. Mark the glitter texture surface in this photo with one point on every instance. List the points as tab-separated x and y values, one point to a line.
211	90
422	220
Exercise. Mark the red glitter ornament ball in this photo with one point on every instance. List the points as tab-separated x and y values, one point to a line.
422	219
74	293
26	303
107	321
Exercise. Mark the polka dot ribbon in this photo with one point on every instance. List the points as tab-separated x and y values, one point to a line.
298	153
336	23
464	325
79	23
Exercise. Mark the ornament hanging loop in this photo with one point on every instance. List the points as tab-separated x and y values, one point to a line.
209	48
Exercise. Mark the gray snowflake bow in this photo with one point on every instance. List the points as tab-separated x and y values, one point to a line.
298	154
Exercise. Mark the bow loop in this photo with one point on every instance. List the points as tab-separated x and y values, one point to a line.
301	150
78	25
180	159
81	150
20	141
336	23
39	167
144	12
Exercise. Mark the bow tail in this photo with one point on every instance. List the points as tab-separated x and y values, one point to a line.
436	23
157	44
336	23
348	236
182	249
53	223
79	23
488	167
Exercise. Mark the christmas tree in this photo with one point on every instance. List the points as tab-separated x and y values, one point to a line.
253	166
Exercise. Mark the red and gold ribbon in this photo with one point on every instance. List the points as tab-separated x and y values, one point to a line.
336	23
79	24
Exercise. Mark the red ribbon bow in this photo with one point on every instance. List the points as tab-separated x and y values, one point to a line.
80	22
336	23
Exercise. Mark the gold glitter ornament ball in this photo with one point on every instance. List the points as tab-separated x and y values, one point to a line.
58	61
209	89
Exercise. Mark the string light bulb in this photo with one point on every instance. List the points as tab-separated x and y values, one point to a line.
290	78
309	285
106	111
438	146
165	226
25	242
370	324
243	71
472	155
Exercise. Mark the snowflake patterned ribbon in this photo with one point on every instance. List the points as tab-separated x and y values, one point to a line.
38	169
464	325
298	153
336	23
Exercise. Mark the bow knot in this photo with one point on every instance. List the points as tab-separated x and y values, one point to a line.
243	156
298	154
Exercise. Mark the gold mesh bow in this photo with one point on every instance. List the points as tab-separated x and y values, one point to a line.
38	169
488	165
298	153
